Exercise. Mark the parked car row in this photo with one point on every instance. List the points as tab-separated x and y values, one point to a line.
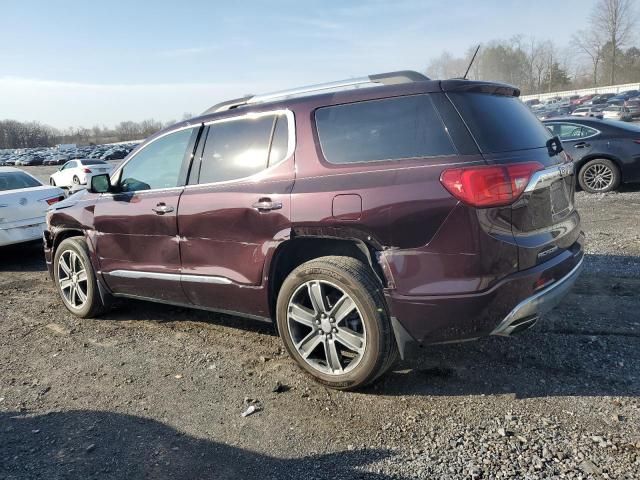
54	156
624	106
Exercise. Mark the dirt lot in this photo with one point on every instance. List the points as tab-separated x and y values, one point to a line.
152	391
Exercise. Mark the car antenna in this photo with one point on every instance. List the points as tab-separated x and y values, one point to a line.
471	62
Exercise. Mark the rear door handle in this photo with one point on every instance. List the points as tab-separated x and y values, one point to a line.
162	208
265	205
581	145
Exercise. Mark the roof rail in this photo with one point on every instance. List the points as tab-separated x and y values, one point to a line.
390	78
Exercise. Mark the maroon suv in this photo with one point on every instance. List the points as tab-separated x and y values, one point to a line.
361	216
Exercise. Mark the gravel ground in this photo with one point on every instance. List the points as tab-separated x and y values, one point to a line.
151	391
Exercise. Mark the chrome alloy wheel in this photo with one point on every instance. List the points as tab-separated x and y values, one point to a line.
326	327
72	279
598	177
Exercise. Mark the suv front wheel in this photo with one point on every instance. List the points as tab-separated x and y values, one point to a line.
75	278
333	320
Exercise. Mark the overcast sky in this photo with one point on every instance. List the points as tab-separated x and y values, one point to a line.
83	63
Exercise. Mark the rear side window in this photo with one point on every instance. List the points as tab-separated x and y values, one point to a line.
376	130
500	123
243	147
16	180
571	131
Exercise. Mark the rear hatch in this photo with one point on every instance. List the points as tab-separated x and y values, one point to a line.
543	219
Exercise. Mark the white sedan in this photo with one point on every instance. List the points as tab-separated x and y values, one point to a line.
78	172
23	205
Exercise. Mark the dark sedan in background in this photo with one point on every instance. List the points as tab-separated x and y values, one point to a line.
605	152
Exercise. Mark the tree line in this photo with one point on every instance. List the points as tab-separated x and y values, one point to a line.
605	53
15	134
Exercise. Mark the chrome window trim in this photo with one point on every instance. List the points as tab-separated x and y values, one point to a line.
598	132
291	146
176	277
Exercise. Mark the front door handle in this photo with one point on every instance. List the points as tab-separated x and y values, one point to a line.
265	205
581	145
162	208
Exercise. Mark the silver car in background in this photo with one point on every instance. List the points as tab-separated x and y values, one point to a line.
616	112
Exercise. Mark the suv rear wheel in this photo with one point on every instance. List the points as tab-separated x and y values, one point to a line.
333	320
75	278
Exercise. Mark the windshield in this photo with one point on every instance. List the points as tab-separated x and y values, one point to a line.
16	181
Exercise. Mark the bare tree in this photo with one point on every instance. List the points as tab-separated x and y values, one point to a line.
615	21
590	43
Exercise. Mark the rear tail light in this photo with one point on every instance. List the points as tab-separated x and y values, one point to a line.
636	141
51	201
86	170
489	186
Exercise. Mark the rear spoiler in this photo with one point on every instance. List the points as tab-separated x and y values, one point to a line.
492	88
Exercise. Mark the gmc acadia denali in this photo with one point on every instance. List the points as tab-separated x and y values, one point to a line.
361	216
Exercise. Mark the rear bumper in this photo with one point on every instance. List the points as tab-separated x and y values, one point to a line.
511	305
527	312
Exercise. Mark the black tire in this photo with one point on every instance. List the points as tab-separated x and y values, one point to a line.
76	180
93	306
358	281
52	182
590	184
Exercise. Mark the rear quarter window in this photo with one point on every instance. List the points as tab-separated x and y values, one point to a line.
500	123
378	130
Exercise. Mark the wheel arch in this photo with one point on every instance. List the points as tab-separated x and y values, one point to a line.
303	248
62	234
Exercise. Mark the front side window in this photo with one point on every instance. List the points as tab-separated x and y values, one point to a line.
239	148
157	165
376	130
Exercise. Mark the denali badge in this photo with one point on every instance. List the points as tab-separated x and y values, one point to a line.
548	251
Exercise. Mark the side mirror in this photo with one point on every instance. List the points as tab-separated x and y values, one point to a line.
100	183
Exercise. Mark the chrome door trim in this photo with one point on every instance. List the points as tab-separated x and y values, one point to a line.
175	277
544	178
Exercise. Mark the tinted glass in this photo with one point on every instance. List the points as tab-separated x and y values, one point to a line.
500	123
390	129
236	149
280	141
568	131
93	162
157	165
16	180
